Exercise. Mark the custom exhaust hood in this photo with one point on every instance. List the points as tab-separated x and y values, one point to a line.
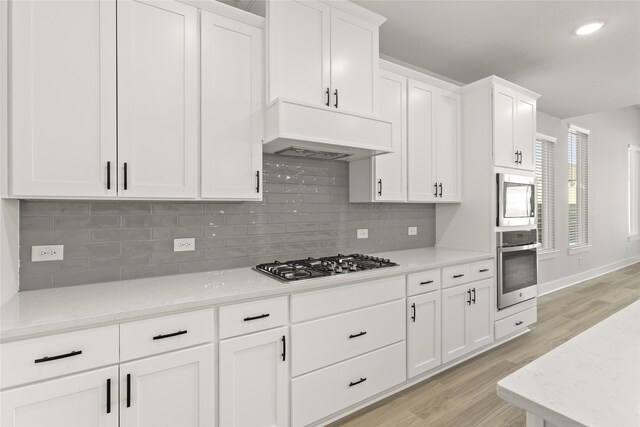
297	129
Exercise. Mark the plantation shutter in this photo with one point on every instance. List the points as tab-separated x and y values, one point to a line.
545	192
578	153
634	191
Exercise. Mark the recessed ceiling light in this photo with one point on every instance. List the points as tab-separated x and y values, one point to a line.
589	27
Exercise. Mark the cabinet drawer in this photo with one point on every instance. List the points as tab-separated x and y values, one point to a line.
326	341
425	281
324	392
516	322
55	355
326	302
456	275
253	316
167	333
481	270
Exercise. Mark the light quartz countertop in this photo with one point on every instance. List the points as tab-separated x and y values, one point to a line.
591	380
48	311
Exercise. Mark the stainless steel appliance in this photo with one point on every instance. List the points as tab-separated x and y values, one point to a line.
310	268
517	267
516	200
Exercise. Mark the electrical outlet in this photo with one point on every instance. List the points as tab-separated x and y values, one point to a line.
363	233
182	245
412	231
47	253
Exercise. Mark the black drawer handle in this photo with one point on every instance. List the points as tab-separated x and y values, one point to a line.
361	380
128	390
175	334
284	348
457	276
427	282
358	334
484	270
262	316
108	395
58	357
519	322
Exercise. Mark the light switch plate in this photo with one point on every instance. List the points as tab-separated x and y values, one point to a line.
363	233
183	245
47	253
412	231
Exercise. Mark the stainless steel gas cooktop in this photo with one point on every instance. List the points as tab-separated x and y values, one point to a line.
320	267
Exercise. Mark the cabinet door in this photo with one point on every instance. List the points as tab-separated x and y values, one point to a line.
423	333
173	389
504	125
447	147
421	136
455	329
157	99
254	379
391	169
63	103
299	50
84	400
481	313
526	131
231	98
354	63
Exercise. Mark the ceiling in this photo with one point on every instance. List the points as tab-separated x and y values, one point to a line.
530	43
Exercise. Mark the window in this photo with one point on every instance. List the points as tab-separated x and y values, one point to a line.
634	193
578	164
545	191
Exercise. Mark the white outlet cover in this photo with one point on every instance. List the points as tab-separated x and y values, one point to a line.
47	253
363	233
412	231
183	245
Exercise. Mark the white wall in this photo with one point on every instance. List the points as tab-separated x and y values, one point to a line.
611	133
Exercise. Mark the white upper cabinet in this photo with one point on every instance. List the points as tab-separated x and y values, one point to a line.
421	140
63	103
514	128
322	55
448	173
157	99
231	99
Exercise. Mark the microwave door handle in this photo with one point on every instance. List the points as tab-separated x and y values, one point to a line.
519	248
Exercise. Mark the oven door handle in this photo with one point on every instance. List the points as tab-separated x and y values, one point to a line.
519	248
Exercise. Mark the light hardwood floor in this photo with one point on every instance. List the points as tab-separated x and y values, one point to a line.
465	395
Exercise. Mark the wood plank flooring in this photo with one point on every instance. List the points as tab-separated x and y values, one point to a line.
466	394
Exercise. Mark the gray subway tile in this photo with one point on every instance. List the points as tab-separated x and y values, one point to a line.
173	257
224	208
148	221
266	229
77	222
149	271
34	282
120	261
73	278
73	264
201	220
48	237
120	234
36	223
120	208
177	233
184	208
34	208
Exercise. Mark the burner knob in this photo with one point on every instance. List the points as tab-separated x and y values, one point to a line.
353	267
330	266
339	269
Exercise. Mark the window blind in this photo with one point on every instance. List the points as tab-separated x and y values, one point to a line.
578	154
545	193
634	191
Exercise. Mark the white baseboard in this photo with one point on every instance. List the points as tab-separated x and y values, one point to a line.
564	282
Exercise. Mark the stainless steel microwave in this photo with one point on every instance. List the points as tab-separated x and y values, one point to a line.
516	200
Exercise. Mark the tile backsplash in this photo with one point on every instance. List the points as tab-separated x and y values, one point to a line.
304	212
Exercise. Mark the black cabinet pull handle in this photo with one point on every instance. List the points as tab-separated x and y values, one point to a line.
516	158
108	175
174	334
413	309
125	175
380	187
128	390
435	186
519	322
335	93
361	380
257	181
440	190
427	282
469	294
327	93
457	276
474	295
109	396
359	334
484	270
284	348
262	316
58	357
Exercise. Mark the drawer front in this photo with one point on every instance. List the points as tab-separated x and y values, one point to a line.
327	302
55	355
322	342
516	322
253	316
482	270
425	281
161	334
319	394
456	275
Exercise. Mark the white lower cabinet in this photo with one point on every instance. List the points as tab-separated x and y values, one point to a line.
254	380
467	318
173	389
423	333
89	399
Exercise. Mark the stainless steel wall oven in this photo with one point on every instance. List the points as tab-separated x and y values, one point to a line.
517	267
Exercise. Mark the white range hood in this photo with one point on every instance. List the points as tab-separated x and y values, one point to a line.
305	130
